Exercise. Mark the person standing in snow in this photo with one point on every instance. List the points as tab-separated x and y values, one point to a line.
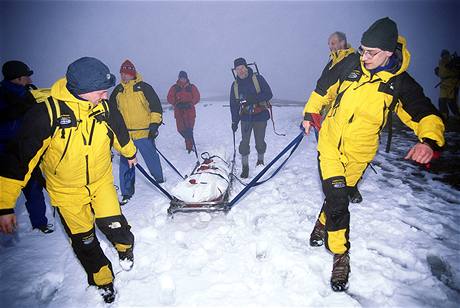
70	135
249	100
184	96
141	109
450	82
361	88
15	101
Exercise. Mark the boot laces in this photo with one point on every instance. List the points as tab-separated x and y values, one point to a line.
341	267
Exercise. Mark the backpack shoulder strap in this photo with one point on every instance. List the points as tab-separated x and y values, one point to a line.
256	83
235	90
54	112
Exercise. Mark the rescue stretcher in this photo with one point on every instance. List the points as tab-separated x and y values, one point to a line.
206	189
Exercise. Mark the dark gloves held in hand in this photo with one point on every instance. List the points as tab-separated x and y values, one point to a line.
153	131
183	105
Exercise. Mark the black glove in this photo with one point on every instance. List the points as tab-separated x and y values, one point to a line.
153	131
234	126
183	105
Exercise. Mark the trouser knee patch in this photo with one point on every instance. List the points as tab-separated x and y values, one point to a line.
336	205
117	229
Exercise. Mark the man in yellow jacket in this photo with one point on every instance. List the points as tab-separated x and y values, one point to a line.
141	109
70	136
361	88
338	47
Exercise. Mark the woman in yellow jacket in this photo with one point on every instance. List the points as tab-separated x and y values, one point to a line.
70	136
361	89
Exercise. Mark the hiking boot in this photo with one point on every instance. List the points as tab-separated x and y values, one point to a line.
125	200
318	234
245	172
354	195
47	229
126	259
260	159
340	271
107	292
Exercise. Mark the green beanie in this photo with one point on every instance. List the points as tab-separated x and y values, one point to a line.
381	34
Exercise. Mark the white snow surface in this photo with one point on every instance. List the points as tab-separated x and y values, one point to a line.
404	241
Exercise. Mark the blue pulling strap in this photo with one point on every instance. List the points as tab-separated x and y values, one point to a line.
152	180
294	144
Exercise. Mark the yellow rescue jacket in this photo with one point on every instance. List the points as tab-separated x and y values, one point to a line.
71	139
361	102
139	104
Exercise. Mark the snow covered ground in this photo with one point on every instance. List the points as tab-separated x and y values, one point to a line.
405	237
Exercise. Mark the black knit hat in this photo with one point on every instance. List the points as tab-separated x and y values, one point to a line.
15	69
87	75
183	74
238	62
381	34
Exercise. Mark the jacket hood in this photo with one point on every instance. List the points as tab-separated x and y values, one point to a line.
59	91
403	61
132	82
182	84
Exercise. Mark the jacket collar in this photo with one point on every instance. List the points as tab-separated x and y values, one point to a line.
60	92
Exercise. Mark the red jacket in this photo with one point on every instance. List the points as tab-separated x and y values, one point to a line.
183	96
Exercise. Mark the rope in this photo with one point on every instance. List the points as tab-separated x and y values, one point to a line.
273	121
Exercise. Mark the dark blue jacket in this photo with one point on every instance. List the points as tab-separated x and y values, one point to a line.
246	88
15	101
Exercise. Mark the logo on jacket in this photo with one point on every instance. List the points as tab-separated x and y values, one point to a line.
115	225
64	120
354	75
338	183
88	239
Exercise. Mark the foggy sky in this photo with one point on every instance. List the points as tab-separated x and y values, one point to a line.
288	40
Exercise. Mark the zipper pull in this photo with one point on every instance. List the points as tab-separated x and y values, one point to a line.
62	133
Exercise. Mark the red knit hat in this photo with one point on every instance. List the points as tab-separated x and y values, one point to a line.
128	68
